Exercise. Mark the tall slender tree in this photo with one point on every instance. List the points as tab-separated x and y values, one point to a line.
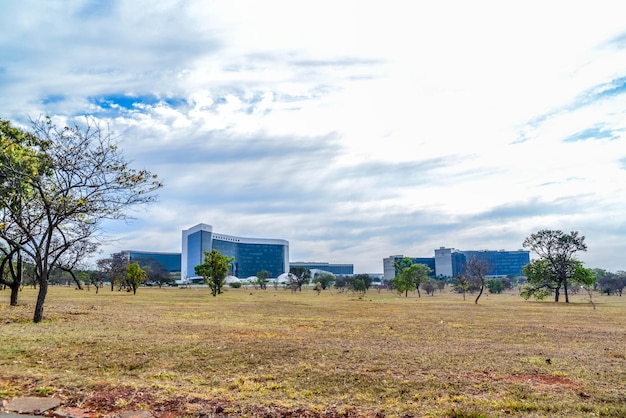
476	269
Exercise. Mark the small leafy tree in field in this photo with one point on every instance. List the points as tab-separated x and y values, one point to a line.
556	264
262	277
11	272
429	286
214	270
324	279
476	269
358	285
134	276
301	276
367	279
461	284
612	283
585	277
495	286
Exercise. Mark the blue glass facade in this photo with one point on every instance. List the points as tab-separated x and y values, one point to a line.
170	261
501	263
339	269
251	255
449	262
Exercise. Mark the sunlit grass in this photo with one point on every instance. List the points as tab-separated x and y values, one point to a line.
395	356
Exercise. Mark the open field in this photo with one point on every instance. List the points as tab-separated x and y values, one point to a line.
181	352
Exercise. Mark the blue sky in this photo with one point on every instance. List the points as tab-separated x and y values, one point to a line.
356	129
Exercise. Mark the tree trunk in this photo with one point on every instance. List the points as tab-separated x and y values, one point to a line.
565	291
419	295
80	287
556	294
15	288
479	293
41	297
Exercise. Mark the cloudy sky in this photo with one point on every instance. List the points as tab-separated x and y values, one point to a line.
353	129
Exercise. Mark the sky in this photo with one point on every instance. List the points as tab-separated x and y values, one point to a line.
355	130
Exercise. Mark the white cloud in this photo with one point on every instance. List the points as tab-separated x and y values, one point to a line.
355	130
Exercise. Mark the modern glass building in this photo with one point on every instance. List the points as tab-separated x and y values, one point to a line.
501	263
251	254
340	269
450	262
389	267
170	261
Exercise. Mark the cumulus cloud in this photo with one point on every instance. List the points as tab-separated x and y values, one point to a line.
355	130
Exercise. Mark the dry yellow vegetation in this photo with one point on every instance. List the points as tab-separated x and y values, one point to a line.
181	352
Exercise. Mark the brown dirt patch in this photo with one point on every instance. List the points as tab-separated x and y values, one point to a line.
544	379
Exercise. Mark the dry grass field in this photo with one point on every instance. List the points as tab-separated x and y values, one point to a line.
254	353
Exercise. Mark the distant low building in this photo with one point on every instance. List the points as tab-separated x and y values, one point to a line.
170	261
337	269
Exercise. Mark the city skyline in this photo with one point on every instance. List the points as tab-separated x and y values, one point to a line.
354	129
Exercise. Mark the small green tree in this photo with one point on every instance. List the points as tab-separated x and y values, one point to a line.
585	278
367	279
358	285
214	270
324	279
429	286
134	276
418	274
461	284
301	276
403	283
556	264
495	285
262	278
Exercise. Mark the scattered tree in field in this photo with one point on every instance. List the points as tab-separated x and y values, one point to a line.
262	277
358	286
367	279
301	276
495	285
411	277
461	284
57	185
11	272
134	276
476	269
155	271
72	258
586	279
429	286
324	279
556	264
612	283
114	269
402	264
95	279
214	270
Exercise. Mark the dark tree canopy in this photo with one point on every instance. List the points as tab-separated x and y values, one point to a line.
556	264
